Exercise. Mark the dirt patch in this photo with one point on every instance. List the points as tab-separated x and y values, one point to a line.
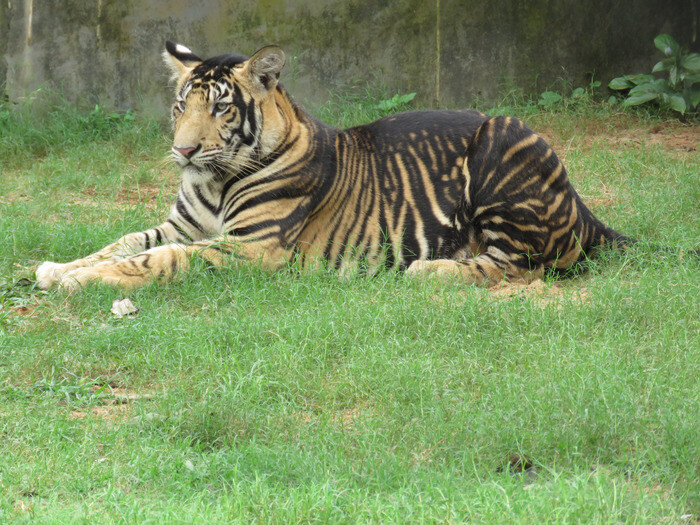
145	194
111	413
116	407
538	292
345	419
669	136
624	132
15	196
23	311
598	202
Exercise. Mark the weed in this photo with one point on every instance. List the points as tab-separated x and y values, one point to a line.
350	107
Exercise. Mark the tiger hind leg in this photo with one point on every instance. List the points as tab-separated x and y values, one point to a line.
518	208
489	267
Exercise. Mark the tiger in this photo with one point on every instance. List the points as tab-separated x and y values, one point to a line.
426	192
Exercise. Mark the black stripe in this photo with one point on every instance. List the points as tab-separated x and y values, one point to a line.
213	209
182	210
179	230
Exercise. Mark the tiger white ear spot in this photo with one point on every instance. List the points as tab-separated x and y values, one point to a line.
179	59
182	50
264	66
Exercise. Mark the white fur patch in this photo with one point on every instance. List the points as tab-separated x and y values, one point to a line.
182	49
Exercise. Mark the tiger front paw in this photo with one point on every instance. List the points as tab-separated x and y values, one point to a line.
49	274
104	273
79	278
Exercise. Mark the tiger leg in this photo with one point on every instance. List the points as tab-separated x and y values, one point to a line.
136	270
167	261
489	267
518	213
50	273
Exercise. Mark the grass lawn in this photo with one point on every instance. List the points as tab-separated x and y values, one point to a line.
239	396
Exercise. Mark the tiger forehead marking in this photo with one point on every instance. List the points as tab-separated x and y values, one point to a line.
216	88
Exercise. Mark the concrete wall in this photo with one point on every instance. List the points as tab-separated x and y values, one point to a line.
448	51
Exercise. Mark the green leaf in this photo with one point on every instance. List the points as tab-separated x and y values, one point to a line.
691	62
663	65
641	98
640	79
649	87
578	92
692	79
549	98
694	97
661	85
620	83
677	103
395	102
666	44
405	99
673	76
629	81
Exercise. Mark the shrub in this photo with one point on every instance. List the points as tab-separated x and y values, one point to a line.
679	92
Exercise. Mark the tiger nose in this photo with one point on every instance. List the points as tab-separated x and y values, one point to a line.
187	151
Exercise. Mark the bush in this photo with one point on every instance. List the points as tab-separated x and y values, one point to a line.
679	92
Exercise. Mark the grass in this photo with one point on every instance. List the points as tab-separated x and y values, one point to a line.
243	396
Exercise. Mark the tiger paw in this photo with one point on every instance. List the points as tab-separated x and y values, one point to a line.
437	268
50	273
79	278
103	273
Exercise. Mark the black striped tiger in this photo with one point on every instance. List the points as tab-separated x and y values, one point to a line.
450	192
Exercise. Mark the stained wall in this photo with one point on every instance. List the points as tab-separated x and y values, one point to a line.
448	51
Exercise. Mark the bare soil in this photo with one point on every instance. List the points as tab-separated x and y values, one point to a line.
623	132
116	407
538	292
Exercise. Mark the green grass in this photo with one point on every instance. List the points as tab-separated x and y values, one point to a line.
243	396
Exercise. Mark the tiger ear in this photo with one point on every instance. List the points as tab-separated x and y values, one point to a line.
180	59
265	65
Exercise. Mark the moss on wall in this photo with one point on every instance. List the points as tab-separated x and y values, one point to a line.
4	35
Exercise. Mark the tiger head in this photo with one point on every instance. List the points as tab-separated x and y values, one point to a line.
225	116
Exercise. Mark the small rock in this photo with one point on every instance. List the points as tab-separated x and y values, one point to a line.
123	307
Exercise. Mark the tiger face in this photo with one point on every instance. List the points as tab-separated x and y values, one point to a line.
224	114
